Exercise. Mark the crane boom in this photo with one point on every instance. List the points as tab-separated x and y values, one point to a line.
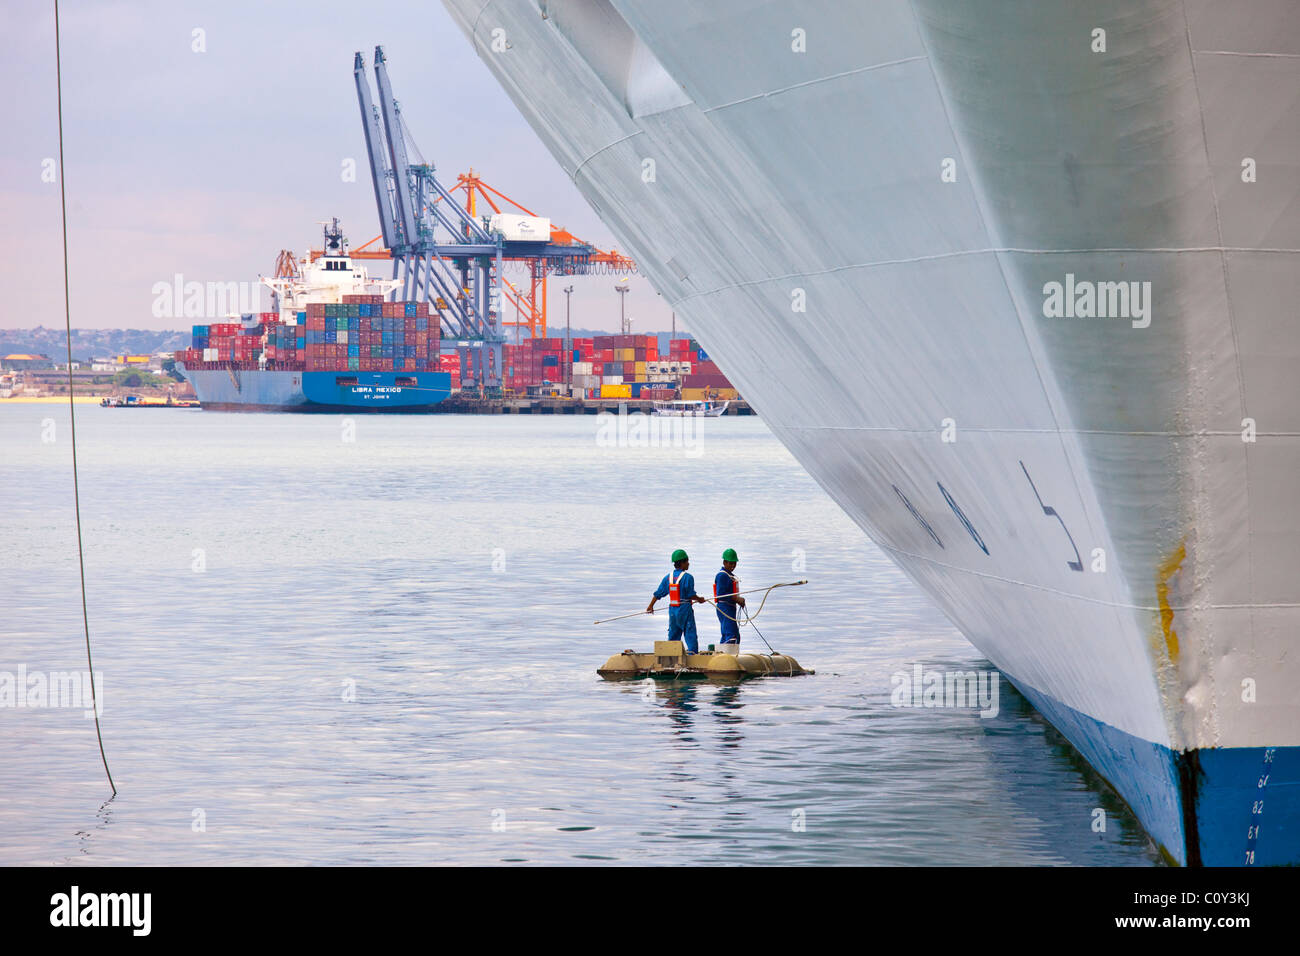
379	171
396	153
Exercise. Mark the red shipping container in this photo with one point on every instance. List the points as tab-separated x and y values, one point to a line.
705	381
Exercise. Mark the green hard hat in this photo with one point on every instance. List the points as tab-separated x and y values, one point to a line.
730	555
679	555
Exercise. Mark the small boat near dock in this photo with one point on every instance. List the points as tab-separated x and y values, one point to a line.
691	409
134	401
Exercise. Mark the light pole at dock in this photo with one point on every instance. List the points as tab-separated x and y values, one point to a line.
568	338
622	289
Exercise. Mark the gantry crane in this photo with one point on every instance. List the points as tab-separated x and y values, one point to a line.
442	252
459	276
530	304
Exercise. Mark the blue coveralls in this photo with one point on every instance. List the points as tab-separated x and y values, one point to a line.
681	619
724	583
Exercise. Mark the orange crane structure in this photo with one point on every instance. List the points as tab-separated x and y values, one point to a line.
528	297
530	304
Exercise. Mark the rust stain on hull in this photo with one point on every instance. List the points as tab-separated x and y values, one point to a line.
1164	574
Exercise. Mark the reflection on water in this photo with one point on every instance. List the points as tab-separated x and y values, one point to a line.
678	698
103	817
381	652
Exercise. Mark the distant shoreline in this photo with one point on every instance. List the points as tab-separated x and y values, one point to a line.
51	400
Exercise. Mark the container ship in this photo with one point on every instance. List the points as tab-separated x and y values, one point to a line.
334	345
1015	282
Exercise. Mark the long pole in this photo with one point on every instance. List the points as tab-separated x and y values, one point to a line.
622	291
770	587
568	338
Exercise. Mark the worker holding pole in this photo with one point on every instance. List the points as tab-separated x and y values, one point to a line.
679	587
728	608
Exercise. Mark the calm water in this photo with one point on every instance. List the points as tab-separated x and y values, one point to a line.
245	571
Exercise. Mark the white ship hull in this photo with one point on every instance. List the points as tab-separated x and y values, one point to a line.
864	233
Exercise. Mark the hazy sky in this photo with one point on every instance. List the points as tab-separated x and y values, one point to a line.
209	163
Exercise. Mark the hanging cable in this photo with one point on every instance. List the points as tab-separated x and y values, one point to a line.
72	405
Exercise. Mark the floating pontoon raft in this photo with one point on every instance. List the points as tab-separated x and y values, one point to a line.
670	660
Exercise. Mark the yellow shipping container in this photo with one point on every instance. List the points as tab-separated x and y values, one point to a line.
730	394
625	355
616	391
640	370
693	394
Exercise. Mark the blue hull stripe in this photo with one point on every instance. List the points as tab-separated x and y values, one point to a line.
1235	806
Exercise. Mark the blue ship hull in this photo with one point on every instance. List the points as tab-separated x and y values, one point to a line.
294	391
1220	806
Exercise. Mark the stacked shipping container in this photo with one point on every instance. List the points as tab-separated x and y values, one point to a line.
616	366
703	379
361	333
451	365
545	360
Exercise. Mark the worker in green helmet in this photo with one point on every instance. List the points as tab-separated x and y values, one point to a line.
679	586
726	583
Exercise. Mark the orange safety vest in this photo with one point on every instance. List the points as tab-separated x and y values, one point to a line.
675	588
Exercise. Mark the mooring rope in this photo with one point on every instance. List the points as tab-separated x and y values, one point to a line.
749	618
72	405
770	588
